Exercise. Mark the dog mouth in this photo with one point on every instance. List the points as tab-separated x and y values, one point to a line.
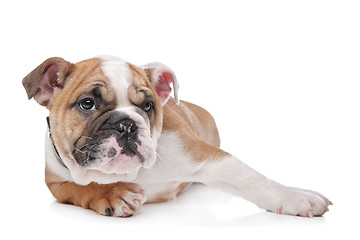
118	159
110	157
131	152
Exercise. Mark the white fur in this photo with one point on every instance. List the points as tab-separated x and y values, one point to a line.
172	167
173	163
126	206
120	76
231	175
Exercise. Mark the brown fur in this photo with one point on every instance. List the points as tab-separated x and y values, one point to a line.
98	197
201	149
79	83
32	80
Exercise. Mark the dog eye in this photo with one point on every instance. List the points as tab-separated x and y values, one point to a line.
148	106
87	104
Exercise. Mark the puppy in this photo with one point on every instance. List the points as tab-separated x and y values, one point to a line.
116	140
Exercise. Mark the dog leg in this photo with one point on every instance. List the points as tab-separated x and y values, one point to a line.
115	199
228	173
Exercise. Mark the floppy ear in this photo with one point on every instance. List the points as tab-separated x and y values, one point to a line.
41	82
161	76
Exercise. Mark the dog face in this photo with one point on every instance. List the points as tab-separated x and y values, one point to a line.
105	114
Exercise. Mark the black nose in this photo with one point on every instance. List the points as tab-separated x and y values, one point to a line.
127	128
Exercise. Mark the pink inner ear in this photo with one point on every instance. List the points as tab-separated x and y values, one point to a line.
163	88
47	83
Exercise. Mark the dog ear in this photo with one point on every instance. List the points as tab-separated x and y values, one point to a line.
161	76
42	81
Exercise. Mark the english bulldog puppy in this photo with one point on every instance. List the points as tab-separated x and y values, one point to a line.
116	140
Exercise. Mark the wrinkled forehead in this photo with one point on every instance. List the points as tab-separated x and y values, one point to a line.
117	82
118	72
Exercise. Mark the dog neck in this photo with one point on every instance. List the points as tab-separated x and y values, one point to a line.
57	155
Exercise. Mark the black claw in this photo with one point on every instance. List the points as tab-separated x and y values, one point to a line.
108	212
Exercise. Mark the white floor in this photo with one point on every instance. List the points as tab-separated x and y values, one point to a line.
199	212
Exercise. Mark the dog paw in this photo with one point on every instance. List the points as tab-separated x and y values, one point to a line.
119	200
298	202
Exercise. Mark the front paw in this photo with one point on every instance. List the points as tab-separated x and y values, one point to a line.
299	202
119	199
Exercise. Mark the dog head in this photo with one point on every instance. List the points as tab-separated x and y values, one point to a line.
105	113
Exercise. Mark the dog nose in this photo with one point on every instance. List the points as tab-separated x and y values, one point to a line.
127	128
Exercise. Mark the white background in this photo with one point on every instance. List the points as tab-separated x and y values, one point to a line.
281	78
